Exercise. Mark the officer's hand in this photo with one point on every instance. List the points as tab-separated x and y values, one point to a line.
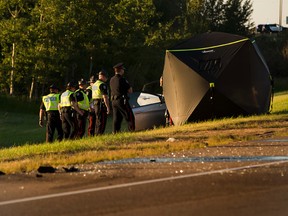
108	111
41	123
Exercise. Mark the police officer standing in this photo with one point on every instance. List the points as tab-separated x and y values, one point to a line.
101	102
119	95
91	113
50	106
83	104
68	107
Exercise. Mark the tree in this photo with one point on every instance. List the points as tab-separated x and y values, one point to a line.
213	13
56	41
13	22
195	22
176	20
237	16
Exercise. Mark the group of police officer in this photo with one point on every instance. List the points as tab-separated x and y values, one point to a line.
68	112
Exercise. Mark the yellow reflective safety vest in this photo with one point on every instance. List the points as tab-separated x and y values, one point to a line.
84	104
65	98
96	92
51	101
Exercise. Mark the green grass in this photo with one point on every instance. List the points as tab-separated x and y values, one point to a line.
18	129
19	122
23	148
280	103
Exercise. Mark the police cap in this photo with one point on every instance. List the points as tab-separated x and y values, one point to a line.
92	79
82	82
72	84
119	66
53	86
103	73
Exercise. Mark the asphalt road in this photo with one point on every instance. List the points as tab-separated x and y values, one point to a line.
243	179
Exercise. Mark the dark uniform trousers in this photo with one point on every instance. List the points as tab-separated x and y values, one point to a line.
101	116
91	125
121	108
53	122
81	123
69	123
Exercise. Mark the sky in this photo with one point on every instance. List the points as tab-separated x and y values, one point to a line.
267	11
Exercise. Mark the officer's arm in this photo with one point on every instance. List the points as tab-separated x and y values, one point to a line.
41	117
59	108
130	90
74	104
89	94
76	107
59	105
107	104
128	87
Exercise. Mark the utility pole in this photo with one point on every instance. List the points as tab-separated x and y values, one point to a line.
280	12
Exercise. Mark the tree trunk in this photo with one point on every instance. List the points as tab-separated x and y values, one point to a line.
13	69
32	88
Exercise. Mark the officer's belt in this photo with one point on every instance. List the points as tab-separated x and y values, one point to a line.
98	101
117	97
66	109
53	112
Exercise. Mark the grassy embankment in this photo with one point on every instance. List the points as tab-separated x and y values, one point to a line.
22	129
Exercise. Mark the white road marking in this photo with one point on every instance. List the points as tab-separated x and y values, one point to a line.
9	202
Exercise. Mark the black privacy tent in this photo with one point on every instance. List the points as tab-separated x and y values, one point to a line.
215	75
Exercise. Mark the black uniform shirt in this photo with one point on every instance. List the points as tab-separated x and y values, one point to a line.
119	85
89	93
79	95
104	88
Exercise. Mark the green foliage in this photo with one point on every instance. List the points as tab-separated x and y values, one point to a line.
237	14
214	11
58	41
280	84
18	105
274	49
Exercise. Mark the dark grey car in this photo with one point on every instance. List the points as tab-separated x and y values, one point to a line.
149	110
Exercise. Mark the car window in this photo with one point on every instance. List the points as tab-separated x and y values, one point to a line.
139	99
146	99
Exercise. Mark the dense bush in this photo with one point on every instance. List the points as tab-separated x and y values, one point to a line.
274	48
